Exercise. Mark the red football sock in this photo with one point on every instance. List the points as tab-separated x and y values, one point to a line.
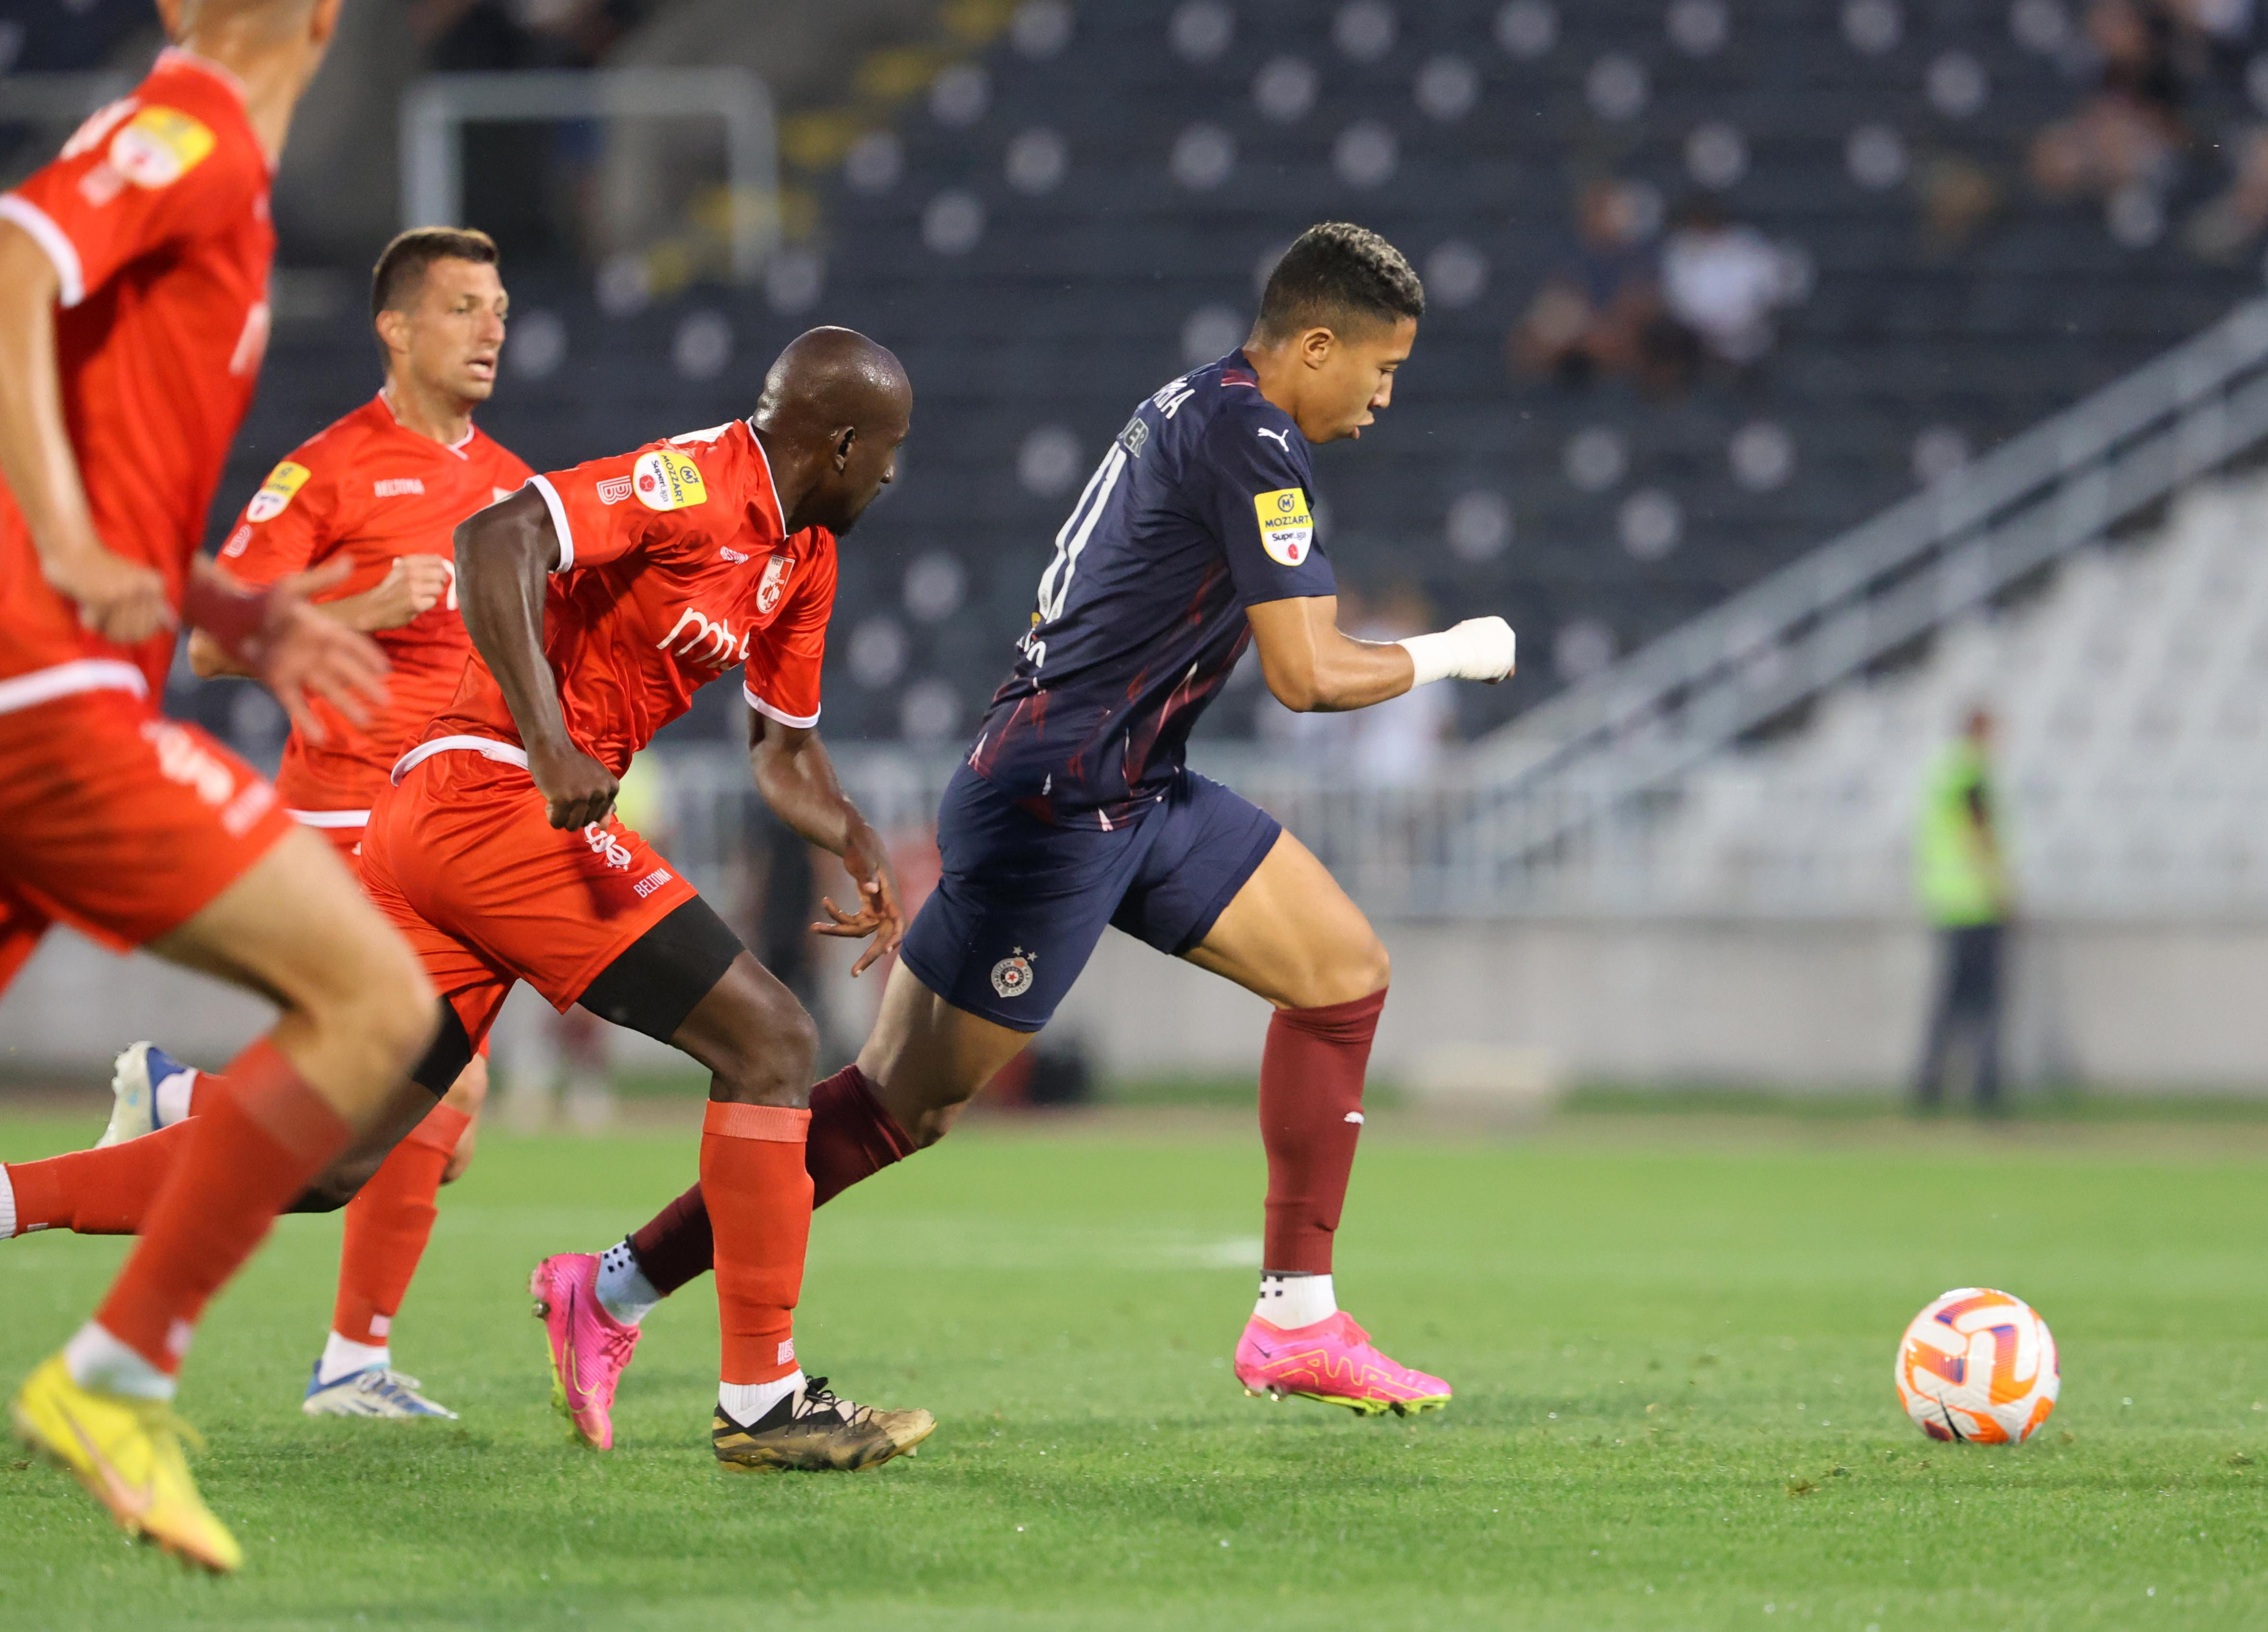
853	1137
248	1151
104	1192
388	1225
1310	1117
758	1196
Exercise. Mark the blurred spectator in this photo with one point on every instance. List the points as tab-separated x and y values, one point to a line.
1723	282
1958	196
1601	313
1961	872
2129	131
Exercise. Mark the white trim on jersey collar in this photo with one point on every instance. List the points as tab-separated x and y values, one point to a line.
71	278
457	448
770	481
542	485
487	747
801	721
68	679
329	819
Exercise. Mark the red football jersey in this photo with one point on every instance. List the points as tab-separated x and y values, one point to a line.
675	565
156	218
370	489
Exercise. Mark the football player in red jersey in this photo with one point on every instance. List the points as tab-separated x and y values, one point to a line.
381	490
133	315
599	599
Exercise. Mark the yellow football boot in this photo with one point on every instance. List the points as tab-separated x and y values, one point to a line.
127	1453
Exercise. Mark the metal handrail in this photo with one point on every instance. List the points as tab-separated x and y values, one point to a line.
1646	720
435	108
1714	647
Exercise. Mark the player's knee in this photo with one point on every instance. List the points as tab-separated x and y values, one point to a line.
386	1009
1375	970
773	1049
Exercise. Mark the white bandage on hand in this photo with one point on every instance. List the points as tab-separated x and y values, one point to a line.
1480	649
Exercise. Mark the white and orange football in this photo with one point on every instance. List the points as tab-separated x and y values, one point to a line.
1979	1365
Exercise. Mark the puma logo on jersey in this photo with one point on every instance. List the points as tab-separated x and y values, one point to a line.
1283	437
702	640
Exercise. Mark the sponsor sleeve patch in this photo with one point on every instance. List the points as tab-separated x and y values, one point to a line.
1287	532
666	481
160	145
283	485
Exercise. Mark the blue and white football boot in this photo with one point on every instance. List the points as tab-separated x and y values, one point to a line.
136	1076
374	1391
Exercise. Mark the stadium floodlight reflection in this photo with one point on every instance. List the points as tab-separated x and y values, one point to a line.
436	108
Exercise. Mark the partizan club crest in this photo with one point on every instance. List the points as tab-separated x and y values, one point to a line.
1012	976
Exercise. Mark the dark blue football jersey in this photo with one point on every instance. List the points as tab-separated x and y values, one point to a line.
1201	508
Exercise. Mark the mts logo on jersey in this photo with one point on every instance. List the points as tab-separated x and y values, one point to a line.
283	485
1287	532
666	481
706	641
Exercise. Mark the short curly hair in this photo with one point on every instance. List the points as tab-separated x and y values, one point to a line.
1340	277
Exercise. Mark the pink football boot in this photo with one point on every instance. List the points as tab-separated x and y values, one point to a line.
589	1346
1332	1361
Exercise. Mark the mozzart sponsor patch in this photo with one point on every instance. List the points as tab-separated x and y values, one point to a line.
666	481
283	485
159	146
1287	532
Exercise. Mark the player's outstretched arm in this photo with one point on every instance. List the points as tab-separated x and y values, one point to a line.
796	775
115	597
505	556
1314	668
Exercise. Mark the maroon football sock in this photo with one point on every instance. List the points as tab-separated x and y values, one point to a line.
1310	1119
851	1137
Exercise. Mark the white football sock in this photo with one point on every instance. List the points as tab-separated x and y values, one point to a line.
7	1205
745	1403
95	1359
171	1096
344	1359
1293	1300
623	1290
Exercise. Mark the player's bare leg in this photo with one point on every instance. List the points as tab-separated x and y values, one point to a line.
1291	935
355	1011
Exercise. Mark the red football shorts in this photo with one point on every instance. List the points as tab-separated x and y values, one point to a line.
463	860
121	822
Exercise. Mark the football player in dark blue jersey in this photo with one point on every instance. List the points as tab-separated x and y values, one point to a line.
1075	810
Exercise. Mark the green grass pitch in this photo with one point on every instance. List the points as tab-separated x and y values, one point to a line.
1671	1343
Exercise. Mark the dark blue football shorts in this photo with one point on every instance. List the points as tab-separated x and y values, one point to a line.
1023	901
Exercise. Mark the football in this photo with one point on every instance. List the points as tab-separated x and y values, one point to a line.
1979	1365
